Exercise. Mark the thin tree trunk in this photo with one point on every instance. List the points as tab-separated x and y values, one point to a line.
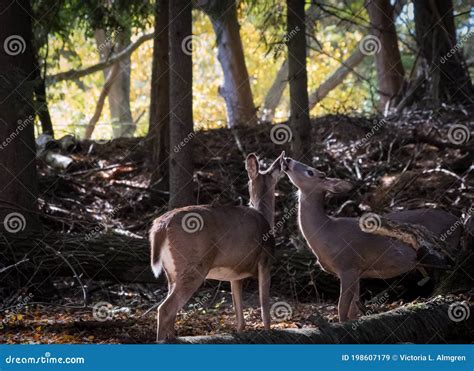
101	101
236	90
41	102
388	62
447	75
299	119
18	180
274	94
181	105
159	126
119	95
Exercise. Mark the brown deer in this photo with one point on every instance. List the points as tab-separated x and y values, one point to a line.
226	243
344	247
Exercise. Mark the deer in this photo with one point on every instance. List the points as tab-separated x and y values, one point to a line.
226	243
344	248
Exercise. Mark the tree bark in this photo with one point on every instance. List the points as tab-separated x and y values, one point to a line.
299	119
41	102
181	105
236	90
388	62
418	323
273	97
18	181
119	95
447	77
159	126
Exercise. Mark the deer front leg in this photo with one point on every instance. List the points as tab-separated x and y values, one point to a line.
347	292
236	287
264	279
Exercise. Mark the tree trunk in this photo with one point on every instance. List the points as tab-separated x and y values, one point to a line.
273	97
181	105
236	90
41	101
446	73
418	323
299	119
388	62
18	182
159	126
114	71
119	95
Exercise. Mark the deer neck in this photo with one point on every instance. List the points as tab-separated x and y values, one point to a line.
311	214
266	206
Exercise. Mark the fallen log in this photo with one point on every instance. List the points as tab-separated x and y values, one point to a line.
436	321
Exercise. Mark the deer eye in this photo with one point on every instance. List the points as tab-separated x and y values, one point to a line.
310	172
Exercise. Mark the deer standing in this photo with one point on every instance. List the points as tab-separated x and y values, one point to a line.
343	248
226	243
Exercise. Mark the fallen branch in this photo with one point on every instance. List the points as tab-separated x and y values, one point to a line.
431	322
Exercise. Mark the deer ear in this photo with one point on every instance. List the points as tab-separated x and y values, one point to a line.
337	185
251	164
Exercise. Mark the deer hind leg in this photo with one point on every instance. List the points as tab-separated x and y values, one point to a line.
181	291
264	278
236	287
346	296
356	305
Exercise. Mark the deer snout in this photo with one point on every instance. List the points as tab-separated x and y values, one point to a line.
285	163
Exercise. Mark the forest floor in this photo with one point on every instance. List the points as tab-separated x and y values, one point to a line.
401	162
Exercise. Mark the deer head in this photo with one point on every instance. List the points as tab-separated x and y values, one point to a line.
310	180
262	185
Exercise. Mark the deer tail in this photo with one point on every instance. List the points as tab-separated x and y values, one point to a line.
157	241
